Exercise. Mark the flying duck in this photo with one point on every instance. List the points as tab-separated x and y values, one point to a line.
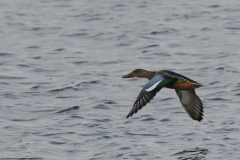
184	87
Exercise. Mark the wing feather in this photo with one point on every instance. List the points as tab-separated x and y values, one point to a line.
191	103
148	92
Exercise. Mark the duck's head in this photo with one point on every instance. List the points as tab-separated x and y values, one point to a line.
137	73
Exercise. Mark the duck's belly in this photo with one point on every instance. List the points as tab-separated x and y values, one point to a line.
181	84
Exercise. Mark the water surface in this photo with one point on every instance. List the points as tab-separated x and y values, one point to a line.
61	91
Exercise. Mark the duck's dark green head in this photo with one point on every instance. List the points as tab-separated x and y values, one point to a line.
137	73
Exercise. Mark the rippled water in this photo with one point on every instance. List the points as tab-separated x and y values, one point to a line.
61	91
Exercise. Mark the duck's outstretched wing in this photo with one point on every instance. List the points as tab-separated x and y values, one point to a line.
191	103
149	91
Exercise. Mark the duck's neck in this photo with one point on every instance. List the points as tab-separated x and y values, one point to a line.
149	74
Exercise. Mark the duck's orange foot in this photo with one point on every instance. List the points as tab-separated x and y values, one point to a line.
190	85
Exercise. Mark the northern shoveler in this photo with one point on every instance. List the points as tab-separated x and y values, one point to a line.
184	87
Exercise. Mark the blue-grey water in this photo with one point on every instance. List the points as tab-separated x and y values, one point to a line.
61	91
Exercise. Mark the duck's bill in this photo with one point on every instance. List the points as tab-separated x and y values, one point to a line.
130	75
